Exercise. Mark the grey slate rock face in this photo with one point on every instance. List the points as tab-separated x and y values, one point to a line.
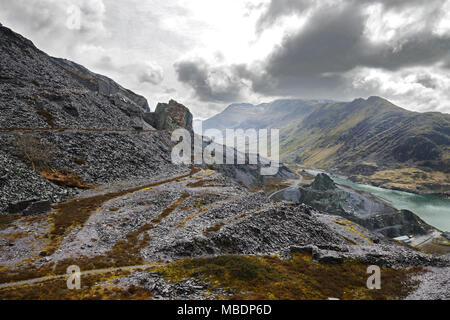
327	257
311	249
102	84
73	96
323	182
292	195
395	224
19	206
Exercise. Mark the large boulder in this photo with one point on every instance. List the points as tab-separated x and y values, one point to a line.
170	116
323	183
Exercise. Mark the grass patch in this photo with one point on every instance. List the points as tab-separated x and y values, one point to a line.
251	277
352	228
435	247
409	179
93	287
271	184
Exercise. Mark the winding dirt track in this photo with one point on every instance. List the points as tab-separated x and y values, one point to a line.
201	173
36	281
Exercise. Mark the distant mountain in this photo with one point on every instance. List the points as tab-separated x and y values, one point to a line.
371	140
267	115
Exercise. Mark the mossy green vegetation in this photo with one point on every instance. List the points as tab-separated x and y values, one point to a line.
244	277
252	277
93	287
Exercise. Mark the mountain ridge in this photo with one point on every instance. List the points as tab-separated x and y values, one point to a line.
361	138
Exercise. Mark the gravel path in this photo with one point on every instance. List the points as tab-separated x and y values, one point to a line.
434	285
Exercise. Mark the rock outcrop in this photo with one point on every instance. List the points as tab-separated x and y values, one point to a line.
360	207
170	116
29	207
323	182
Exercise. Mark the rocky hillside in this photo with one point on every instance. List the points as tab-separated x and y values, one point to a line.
65	128
372	140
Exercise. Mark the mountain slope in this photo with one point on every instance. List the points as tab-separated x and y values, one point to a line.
363	138
268	115
63	126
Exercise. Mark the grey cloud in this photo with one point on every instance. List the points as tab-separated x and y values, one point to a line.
213	84
142	71
149	74
427	80
279	8
334	42
170	90
54	16
316	60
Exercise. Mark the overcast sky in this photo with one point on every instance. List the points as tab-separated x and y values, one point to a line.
209	53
